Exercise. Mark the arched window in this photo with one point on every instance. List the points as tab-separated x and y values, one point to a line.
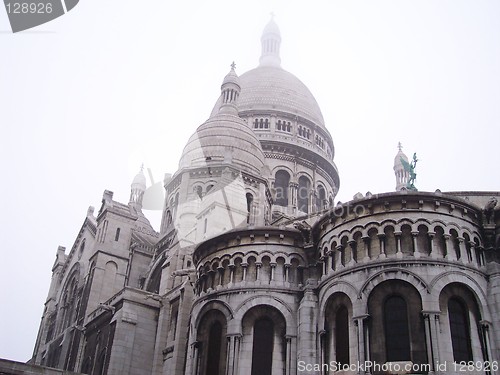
262	352
460	330
303	194
336	339
214	348
397	334
168	218
249	206
199	191
322	202
281	182
211	336
117	234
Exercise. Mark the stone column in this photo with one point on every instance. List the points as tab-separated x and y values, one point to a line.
362	337
293	194
330	264
463	250
307	323
288	359
232	354
195	361
231	277
435	335
258	265
366	244
428	339
354	252
245	266
399	253
322	348
414	238
341	256
273	268
433	253
287	269
486	343
381	238
473	253
221	275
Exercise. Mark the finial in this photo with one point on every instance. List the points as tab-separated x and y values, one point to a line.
272	15
233	66
142	167
400	146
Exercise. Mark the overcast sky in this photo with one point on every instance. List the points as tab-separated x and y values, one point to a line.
88	97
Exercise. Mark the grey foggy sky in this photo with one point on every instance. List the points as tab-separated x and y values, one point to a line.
88	97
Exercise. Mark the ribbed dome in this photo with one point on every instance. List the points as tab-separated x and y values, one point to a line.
271	28
272	88
139	179
231	77
397	159
224	138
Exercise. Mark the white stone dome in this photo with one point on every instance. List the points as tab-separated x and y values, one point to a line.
139	180
271	88
224	139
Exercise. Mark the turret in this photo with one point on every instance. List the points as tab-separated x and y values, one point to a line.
401	173
230	91
137	190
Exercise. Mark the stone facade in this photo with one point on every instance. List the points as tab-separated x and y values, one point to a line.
256	271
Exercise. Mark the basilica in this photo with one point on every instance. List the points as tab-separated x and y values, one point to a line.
257	270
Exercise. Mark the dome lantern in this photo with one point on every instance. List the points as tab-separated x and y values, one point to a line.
271	41
230	91
137	189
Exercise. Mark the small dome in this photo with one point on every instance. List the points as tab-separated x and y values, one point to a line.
139	180
400	155
271	28
224	139
397	158
231	77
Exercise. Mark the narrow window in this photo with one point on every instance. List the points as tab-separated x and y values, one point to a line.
460	332
249	206
262	352
303	194
117	235
214	349
281	182
397	334
342	336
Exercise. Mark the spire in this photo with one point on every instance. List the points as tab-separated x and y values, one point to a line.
400	171
138	188
230	91
271	41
